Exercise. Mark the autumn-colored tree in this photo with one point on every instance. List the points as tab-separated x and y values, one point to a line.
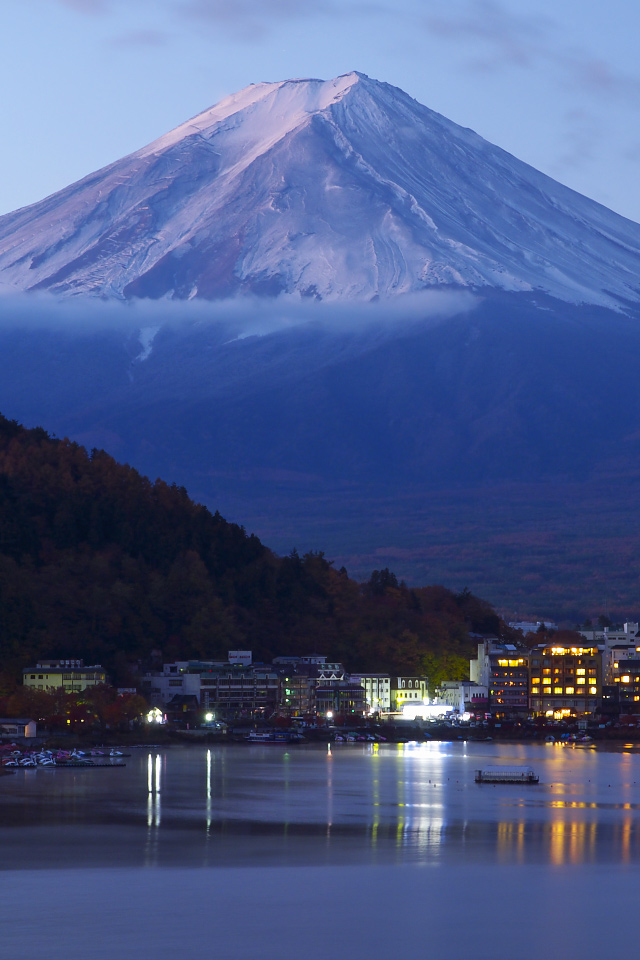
100	563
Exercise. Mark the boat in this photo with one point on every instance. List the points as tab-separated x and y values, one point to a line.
272	736
507	775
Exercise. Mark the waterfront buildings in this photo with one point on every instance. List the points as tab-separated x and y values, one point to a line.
72	676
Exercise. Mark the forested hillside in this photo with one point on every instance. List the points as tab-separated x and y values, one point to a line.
99	562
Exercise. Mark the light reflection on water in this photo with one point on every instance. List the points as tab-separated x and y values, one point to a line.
327	803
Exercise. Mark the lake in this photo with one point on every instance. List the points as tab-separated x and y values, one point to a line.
366	850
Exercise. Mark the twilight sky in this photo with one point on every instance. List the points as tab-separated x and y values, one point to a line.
87	81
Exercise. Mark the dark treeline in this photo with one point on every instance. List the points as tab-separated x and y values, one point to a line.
98	562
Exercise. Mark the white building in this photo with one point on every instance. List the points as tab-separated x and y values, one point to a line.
463	695
377	690
609	637
17	727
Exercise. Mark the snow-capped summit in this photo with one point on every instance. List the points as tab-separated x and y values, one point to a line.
339	189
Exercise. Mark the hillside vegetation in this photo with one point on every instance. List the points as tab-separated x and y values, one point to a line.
99	562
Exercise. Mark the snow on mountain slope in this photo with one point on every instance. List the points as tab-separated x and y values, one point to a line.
345	189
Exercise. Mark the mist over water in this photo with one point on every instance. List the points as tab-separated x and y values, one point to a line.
275	852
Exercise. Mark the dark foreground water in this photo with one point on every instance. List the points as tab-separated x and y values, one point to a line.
357	851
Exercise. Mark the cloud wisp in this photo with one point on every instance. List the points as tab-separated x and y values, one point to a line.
254	19
242	316
527	41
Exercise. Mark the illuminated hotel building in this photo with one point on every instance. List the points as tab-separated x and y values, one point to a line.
504	671
565	681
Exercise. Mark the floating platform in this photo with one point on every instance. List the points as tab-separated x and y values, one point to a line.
507	775
79	765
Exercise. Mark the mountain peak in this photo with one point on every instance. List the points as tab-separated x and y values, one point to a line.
339	189
276	105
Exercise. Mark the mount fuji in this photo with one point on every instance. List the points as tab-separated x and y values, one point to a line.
351	325
341	190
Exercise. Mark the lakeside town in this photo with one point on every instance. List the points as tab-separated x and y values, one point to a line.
591	680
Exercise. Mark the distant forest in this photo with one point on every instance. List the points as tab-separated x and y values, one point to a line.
100	563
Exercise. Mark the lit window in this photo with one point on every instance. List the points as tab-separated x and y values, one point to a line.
535	689
580	680
546	680
593	689
580	670
626	678
557	689
569	690
535	679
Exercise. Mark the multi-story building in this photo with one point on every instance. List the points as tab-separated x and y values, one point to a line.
610	635
621	687
565	680
465	696
377	691
69	675
303	677
232	690
343	697
504	671
228	690
407	690
614	658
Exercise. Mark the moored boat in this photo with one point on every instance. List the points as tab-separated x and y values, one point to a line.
272	736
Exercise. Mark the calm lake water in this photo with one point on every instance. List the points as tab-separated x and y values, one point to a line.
364	850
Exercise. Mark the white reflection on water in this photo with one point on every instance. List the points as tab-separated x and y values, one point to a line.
329	791
208	791
153	790
359	803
